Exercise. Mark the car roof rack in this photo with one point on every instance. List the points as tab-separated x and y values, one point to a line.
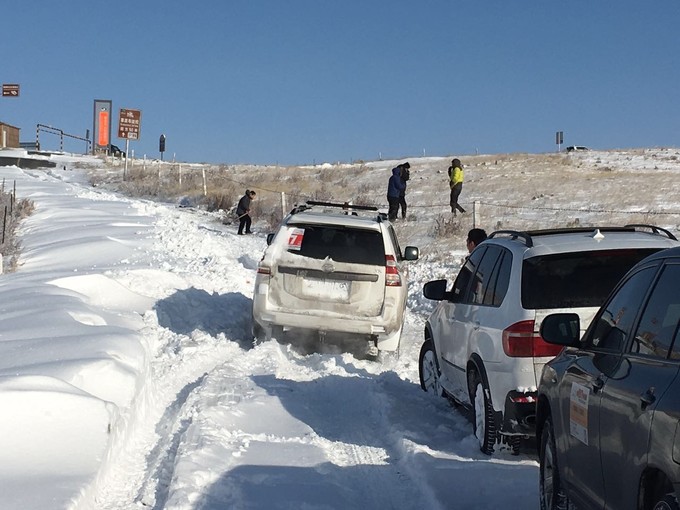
653	228
347	207
343	205
513	234
528	235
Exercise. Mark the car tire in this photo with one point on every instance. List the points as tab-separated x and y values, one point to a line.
668	502
483	416
428	369
551	491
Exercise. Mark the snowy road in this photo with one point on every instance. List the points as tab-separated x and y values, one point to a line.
216	423
220	424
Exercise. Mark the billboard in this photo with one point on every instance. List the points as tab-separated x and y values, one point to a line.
102	125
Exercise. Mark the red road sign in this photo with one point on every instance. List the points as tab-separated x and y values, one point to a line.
10	90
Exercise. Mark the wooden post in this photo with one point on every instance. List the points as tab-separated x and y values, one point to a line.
205	184
284	207
4	225
475	212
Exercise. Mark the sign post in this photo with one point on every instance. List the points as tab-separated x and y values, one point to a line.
101	132
161	145
559	139
129	126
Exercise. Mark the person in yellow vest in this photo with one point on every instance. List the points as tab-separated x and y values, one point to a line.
456	184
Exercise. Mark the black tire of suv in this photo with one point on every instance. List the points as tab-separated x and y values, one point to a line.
489	435
668	502
551	492
427	355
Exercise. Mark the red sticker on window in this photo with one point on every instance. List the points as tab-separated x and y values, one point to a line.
295	239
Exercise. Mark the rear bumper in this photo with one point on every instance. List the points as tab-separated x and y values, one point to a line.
519	417
386	335
356	325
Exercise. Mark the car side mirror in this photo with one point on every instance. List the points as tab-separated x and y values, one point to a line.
435	290
270	238
411	253
562	329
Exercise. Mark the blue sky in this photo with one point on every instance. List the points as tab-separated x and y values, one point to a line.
302	81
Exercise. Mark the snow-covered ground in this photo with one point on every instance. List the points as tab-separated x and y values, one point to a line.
128	378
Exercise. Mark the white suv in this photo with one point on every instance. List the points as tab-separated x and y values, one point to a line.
482	344
333	273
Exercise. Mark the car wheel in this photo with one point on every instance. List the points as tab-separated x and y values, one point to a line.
668	502
551	490
483	420
430	377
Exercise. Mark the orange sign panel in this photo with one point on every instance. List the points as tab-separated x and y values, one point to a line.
103	127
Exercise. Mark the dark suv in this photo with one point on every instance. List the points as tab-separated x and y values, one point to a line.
116	151
608	412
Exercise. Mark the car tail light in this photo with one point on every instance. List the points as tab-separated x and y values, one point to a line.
262	269
520	341
523	399
392	276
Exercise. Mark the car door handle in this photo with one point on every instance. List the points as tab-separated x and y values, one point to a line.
597	384
648	398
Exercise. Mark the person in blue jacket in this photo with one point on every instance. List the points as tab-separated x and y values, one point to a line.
395	186
405	174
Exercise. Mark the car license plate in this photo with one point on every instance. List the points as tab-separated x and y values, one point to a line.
325	289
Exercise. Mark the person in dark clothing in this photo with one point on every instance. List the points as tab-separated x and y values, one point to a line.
243	212
405	175
474	237
394	188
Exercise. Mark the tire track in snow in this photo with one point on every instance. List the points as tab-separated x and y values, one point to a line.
192	275
201	432
333	416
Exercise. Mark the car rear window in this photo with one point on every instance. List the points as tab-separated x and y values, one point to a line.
570	280
342	244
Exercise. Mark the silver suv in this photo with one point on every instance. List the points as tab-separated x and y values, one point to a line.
333	273
482	344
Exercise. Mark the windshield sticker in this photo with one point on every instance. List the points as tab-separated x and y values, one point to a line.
295	239
578	412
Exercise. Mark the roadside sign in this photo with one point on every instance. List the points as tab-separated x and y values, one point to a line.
559	139
161	145
104	128
101	133
10	90
129	123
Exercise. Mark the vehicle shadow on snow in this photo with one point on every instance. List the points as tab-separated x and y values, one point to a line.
400	447
193	309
